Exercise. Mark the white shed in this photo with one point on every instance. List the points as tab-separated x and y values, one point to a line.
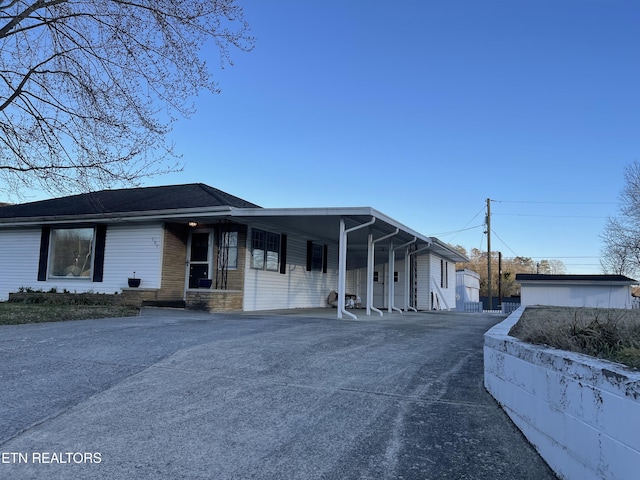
467	288
600	291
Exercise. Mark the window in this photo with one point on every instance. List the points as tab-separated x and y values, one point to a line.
228	251
444	274
316	257
71	252
265	250
376	276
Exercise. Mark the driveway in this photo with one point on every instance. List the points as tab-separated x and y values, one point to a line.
174	394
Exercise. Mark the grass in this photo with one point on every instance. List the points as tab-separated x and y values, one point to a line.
610	334
21	313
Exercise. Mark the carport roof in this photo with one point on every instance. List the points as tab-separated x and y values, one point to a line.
204	204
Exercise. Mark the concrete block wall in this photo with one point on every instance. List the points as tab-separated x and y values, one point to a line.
581	414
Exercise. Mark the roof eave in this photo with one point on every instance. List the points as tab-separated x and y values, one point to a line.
148	215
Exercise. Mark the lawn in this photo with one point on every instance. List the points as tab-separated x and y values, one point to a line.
610	334
13	313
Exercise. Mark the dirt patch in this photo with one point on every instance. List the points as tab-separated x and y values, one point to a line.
610	334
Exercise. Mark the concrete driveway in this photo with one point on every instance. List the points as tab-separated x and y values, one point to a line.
174	394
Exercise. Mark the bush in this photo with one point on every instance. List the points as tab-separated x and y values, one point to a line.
610	334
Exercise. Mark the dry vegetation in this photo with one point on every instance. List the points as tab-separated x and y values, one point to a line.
38	307
611	334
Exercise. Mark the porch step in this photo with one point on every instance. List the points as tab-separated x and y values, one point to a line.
164	303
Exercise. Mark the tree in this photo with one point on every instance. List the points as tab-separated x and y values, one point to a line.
621	235
510	268
89	89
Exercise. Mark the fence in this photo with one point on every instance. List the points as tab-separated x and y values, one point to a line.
508	307
472	307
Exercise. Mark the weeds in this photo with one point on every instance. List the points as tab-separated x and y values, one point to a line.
611	334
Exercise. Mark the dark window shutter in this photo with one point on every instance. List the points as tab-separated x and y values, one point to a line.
309	254
44	254
325	255
98	261
283	254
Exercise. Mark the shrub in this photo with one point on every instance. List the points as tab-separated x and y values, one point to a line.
611	334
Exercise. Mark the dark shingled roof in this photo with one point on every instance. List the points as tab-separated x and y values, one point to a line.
141	199
573	278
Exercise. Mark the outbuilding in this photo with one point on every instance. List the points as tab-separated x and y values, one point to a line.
202	247
600	291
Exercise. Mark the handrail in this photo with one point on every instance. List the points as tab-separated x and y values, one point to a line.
439	291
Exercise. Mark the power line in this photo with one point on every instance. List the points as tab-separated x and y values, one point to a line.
467	224
455	231
547	216
555	203
505	243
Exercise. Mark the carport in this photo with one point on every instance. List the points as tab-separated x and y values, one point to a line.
358	232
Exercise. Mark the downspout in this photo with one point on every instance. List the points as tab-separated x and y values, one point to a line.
407	278
371	266
392	258
342	265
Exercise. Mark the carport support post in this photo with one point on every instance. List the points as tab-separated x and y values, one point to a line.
370	267
342	264
391	289
407	278
342	268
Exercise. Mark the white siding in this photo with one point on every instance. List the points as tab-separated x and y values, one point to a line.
297	288
423	280
429	279
132	248
599	296
19	255
128	248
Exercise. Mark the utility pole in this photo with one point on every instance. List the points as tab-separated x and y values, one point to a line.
489	252
499	279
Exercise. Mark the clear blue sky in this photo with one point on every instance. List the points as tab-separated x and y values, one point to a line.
423	109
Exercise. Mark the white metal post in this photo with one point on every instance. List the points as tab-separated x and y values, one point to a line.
370	267
342	268
407	278
391	288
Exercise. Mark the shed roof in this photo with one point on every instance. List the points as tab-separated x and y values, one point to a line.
533	277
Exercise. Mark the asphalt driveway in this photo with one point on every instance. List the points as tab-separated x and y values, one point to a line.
174	394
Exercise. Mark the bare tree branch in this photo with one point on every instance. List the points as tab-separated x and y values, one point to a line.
89	89
621	235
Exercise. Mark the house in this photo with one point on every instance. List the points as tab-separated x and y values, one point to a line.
601	291
467	290
175	237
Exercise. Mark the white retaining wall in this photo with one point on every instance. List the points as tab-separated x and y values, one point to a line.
581	414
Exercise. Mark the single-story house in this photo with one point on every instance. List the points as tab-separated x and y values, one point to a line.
601	291
201	247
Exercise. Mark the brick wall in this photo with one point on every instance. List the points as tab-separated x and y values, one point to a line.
214	300
227	298
235	277
174	257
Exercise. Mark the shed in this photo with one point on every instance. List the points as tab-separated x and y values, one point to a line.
467	288
600	291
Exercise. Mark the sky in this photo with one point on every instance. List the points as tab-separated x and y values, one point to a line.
424	109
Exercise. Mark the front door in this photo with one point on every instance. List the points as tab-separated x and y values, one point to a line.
200	256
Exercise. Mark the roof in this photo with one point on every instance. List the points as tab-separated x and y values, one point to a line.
201	203
532	277
169	197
